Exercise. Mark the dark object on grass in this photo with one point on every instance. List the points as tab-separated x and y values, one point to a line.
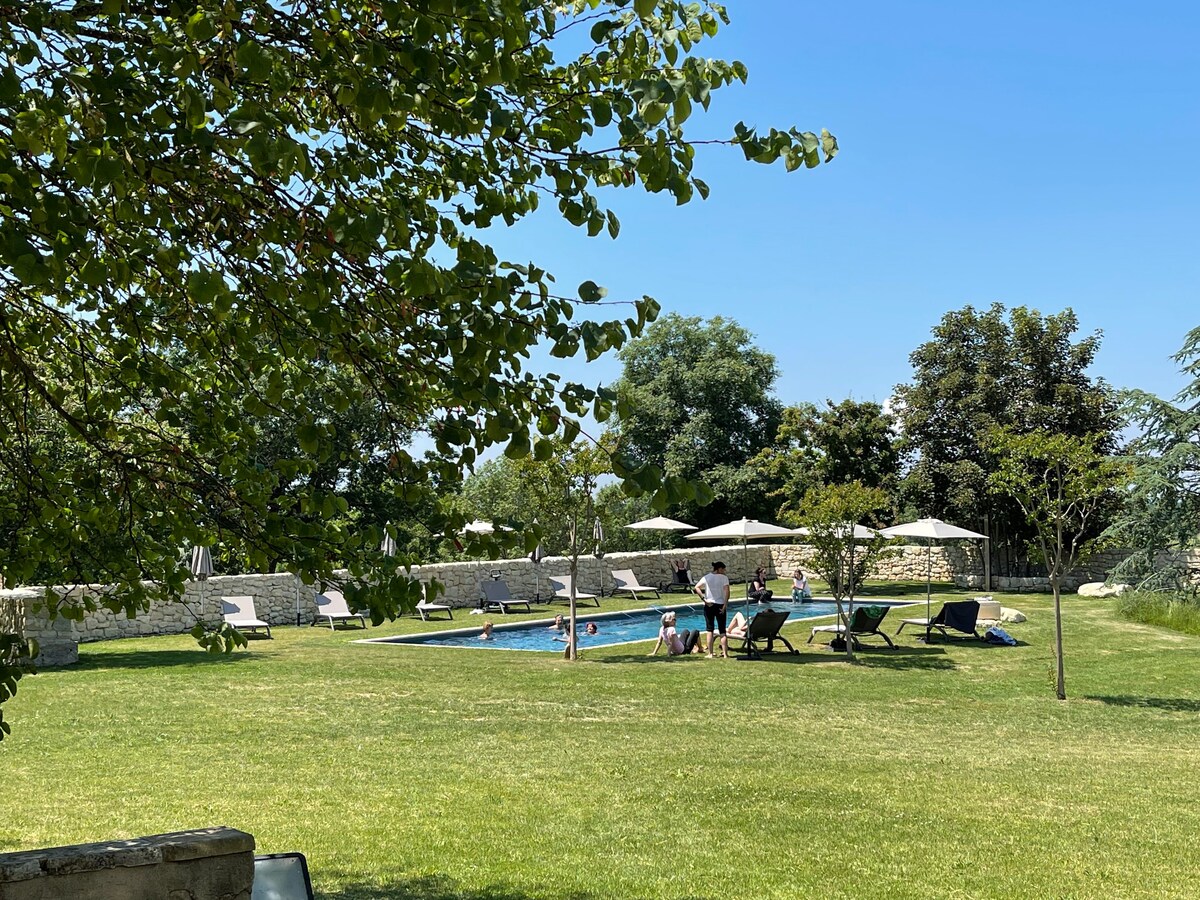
281	876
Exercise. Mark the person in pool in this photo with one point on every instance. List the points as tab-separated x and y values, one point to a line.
486	634
558	624
592	628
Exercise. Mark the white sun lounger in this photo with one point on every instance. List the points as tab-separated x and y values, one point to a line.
240	613
424	607
627	581
332	607
561	585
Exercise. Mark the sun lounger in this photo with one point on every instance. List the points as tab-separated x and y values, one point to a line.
497	596
681	578
240	613
332	608
957	615
561	585
425	607
762	634
866	620
627	581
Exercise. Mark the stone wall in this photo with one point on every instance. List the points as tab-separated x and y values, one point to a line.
205	864
276	596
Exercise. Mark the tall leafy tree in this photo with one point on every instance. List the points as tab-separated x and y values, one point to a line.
265	187
696	401
1016	369
1062	484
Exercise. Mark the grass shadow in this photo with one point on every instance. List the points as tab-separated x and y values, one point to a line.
152	659
1170	704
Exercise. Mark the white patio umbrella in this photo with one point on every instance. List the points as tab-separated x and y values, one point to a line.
598	539
660	524
478	526
931	530
742	530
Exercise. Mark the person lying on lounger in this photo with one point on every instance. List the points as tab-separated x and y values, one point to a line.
737	628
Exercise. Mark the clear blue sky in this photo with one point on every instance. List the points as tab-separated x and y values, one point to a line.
1031	153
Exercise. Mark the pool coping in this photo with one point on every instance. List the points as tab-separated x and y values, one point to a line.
420	640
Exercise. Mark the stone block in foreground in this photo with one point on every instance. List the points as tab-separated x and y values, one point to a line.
204	864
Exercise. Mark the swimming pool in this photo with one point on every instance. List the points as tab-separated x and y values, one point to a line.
615	627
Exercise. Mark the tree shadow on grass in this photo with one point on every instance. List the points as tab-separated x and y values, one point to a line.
434	887
1169	704
903	657
154	659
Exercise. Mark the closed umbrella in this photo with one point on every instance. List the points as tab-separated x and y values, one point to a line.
536	557
598	539
931	530
202	568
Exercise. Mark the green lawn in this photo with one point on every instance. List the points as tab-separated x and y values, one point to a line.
410	772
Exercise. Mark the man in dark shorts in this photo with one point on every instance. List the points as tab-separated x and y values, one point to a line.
713	589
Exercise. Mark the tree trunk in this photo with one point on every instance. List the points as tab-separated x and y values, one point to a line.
1060	678
572	649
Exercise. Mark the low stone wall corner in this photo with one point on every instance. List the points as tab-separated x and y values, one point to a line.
201	864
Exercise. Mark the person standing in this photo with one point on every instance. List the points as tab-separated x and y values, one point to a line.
713	589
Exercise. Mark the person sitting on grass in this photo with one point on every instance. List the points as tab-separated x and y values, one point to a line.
677	643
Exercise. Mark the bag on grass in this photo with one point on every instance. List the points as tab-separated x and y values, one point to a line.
997	635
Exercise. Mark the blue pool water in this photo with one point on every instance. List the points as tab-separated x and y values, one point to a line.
615	628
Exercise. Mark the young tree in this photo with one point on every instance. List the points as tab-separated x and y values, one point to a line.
843	551
1061	483
1016	369
266	187
696	401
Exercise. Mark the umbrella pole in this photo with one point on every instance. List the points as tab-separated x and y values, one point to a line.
928	586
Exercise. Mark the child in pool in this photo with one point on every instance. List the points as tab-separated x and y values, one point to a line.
486	634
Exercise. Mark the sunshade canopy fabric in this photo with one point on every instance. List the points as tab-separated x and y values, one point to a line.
202	566
742	529
861	532
931	529
661	523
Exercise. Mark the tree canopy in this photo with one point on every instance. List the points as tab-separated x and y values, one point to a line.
266	190
1016	369
696	399
269	189
844	442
